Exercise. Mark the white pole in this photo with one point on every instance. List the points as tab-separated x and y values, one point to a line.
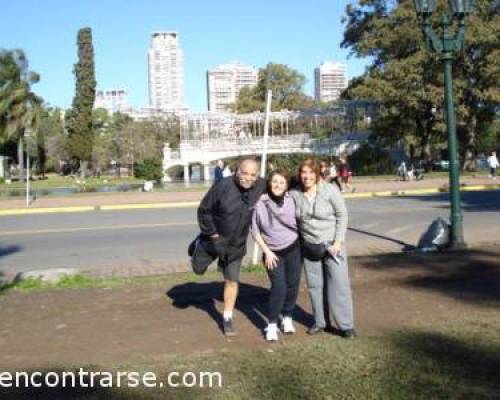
266	134
27	175
255	253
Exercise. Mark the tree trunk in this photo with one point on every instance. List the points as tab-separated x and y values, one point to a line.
83	168
425	145
470	146
20	157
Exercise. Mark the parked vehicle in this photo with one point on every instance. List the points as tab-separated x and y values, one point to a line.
441	165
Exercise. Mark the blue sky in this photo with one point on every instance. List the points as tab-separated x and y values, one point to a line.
301	34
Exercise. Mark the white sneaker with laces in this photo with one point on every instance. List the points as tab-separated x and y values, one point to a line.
272	333
287	325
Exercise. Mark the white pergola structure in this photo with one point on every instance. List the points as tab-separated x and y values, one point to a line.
209	136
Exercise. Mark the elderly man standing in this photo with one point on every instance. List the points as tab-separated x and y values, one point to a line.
224	216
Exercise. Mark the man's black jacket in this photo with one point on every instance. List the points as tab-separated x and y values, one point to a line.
226	210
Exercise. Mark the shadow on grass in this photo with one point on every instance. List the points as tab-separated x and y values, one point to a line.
103	386
252	302
80	389
470	276
442	366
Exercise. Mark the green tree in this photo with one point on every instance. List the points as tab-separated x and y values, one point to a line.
406	79
286	84
149	169
120	138
19	106
51	144
79	118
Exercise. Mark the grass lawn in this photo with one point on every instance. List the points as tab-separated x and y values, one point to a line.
81	281
455	359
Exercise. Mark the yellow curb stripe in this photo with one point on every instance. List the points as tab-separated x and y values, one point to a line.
27	211
192	204
358	195
480	187
94	228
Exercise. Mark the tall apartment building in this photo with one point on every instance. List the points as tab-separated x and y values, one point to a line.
330	79
225	82
112	100
166	72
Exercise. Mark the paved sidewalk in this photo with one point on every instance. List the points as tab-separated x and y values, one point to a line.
127	200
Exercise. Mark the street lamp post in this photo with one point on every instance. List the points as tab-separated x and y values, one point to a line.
27	134
446	45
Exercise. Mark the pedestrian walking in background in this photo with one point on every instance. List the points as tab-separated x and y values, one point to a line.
345	174
493	165
218	171
403	171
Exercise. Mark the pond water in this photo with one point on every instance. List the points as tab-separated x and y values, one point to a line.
61	191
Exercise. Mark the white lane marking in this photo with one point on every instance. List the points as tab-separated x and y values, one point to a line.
94	228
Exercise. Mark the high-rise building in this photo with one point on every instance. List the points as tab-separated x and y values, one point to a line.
225	82
166	72
330	79
112	100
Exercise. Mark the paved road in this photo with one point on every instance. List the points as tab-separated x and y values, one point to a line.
156	239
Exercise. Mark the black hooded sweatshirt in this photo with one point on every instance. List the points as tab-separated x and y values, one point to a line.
226	210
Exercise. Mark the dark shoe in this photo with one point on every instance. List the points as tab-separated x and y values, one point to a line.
314	330
348	334
228	327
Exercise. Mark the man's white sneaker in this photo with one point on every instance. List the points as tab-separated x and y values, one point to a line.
287	325
272	332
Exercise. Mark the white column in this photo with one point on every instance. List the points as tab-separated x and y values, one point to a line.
206	172
186	173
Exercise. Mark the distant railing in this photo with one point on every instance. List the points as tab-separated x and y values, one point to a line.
203	149
221	144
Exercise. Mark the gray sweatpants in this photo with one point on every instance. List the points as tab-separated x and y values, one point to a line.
339	296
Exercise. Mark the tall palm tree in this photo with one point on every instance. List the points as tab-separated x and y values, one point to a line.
19	106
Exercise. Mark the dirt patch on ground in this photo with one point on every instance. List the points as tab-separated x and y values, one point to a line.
135	324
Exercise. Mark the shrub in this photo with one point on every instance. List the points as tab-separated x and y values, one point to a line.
370	160
149	169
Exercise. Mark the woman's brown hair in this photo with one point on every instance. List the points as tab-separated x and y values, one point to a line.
311	163
275	172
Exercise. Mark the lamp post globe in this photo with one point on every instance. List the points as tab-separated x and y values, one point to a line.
425	7
461	7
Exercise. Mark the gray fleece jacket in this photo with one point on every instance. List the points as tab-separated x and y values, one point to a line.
323	218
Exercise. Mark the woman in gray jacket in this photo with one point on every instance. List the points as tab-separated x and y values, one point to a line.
322	219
